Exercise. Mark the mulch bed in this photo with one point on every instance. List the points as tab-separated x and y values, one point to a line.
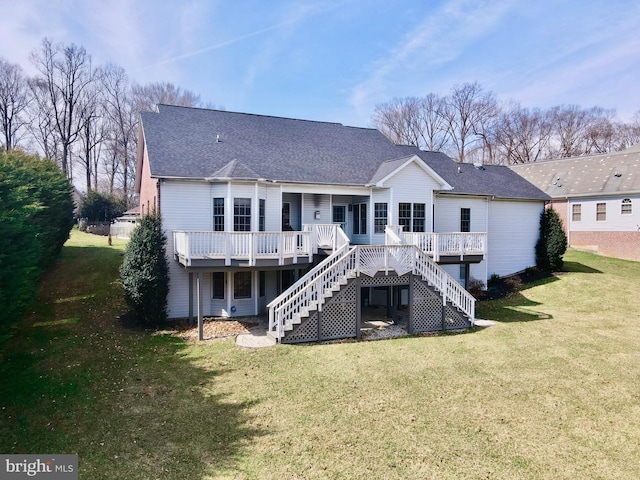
212	328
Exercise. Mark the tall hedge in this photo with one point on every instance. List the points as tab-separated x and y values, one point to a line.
36	215
145	272
552	243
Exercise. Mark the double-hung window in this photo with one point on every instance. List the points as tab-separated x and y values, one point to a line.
241	214
576	212
379	217
412	216
601	212
465	219
218	214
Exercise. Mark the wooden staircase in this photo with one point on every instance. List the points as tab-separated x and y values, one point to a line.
307	297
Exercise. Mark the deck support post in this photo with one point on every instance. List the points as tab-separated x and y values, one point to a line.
410	324
199	295
358	307
190	320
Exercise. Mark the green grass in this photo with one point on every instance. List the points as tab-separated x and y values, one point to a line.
551	391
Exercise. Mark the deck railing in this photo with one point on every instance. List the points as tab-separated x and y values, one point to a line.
249	246
439	245
253	246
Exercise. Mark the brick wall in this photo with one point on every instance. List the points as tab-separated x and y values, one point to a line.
624	245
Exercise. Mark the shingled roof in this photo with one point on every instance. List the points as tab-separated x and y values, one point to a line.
614	173
187	142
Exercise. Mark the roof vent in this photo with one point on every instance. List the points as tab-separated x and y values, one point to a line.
478	165
617	174
459	170
218	138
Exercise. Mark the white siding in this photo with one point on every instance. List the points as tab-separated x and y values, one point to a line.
315	202
513	233
447	213
411	185
273	222
184	206
615	222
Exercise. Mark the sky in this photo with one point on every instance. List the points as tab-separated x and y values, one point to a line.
336	60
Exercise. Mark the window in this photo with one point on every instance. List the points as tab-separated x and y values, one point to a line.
576	212
404	216
218	214
412	216
379	217
601	212
418	217
242	285
286	217
340	215
261	214
626	207
241	214
360	219
465	219
263	283
218	285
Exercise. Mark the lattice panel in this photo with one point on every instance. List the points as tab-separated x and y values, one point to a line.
348	293
426	308
454	319
384	280
339	320
305	332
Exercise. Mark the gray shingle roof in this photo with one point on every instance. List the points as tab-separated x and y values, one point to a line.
607	174
199	143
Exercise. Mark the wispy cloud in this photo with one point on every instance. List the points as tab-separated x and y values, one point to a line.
440	37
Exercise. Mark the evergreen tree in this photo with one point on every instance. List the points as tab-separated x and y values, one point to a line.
145	272
552	243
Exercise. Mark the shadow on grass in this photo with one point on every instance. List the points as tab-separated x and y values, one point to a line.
514	308
131	404
578	268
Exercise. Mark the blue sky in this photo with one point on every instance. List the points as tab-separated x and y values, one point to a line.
335	60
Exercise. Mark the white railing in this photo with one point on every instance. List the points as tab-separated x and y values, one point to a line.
250	246
311	291
443	244
325	234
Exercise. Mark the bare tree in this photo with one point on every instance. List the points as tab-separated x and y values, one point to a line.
147	97
413	121
65	73
573	126
469	109
123	122
92	132
523	135
14	101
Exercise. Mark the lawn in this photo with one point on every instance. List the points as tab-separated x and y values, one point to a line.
551	391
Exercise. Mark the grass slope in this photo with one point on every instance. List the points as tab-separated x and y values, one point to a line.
552	391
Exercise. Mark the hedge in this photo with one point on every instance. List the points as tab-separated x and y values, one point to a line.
36	216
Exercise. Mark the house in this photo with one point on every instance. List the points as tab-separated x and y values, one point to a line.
597	197
123	226
314	221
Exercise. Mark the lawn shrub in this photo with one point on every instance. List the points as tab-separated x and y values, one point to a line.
99	207
145	272
36	216
552	244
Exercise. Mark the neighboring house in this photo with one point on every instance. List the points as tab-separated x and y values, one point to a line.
123	226
313	221
597	197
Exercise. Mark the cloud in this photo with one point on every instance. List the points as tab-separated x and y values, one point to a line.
439	38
